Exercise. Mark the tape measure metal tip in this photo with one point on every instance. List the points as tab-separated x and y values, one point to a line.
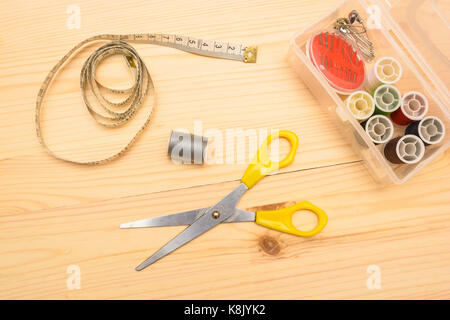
250	54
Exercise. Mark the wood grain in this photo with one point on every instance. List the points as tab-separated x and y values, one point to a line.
53	214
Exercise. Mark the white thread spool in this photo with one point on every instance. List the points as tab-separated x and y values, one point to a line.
386	70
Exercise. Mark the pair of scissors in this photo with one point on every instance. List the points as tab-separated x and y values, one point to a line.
201	220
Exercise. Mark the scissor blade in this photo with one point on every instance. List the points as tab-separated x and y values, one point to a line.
185	218
242	216
176	219
226	207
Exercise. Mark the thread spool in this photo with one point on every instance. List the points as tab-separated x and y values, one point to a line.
379	128
386	70
187	148
408	149
387	99
430	129
361	105
414	106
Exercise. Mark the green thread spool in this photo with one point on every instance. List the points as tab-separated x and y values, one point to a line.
387	99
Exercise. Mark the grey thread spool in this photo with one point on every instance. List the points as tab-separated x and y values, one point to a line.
379	128
430	129
187	148
407	149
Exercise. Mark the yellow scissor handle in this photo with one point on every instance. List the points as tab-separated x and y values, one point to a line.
281	219
262	165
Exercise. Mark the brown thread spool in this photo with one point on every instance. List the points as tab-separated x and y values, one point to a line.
408	149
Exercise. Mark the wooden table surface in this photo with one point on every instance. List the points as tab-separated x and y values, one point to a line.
55	215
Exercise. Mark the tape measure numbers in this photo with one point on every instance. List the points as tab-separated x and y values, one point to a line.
106	113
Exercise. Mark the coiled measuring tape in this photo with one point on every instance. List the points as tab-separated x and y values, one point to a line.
112	113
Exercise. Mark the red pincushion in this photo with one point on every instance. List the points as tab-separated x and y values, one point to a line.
337	60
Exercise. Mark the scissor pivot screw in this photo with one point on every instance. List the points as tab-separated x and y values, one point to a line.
216	214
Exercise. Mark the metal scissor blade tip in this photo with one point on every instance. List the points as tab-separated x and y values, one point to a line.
139	267
147	262
134	224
